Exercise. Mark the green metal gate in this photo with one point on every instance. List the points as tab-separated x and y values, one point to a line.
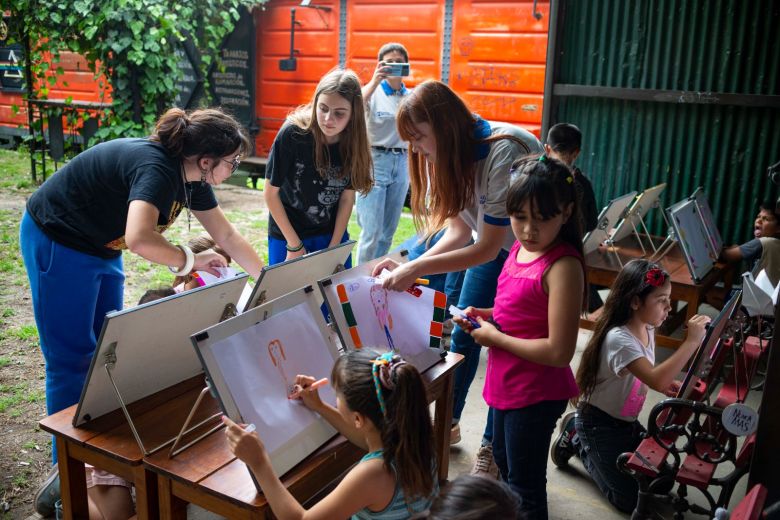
683	92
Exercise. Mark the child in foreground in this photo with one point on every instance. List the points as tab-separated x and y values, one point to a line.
381	407
615	371
531	331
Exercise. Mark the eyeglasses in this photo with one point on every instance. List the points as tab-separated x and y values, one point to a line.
234	164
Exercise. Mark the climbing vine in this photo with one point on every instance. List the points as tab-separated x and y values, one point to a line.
129	44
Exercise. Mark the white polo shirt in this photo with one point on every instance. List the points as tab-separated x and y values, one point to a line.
380	116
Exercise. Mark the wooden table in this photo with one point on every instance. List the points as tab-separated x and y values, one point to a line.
603	267
108	443
207	474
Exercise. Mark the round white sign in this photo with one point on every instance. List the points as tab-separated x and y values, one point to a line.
739	419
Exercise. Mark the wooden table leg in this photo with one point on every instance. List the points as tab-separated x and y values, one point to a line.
442	424
146	501
171	507
73	483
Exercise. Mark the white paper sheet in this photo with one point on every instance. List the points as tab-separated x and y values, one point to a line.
259	365
759	296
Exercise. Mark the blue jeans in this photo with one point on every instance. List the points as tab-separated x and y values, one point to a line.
71	294
521	440
277	249
448	283
479	290
379	210
602	440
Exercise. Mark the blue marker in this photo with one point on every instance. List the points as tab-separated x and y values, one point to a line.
460	314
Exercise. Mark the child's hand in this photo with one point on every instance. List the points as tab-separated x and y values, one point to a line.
674	388
474	313
697	328
310	398
245	445
208	261
485	334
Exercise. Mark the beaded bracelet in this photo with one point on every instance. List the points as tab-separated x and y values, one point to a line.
294	249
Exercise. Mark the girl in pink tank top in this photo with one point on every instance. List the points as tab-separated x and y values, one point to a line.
532	329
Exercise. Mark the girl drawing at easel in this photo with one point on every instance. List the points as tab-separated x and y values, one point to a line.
615	371
379	298
381	408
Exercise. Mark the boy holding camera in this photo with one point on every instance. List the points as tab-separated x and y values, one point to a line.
379	210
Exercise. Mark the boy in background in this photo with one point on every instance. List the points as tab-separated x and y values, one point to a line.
763	251
564	142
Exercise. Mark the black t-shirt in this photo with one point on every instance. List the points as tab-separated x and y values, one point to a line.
84	205
590	214
310	199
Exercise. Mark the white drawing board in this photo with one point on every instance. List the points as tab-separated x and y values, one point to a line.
367	315
709	221
708	350
639	208
151	344
251	362
280	279
609	217
693	238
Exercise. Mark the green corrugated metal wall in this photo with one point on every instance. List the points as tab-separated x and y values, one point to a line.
700	46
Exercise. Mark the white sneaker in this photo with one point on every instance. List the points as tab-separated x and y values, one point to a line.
485	466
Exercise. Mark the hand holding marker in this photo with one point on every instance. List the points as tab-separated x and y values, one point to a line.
461	314
297	389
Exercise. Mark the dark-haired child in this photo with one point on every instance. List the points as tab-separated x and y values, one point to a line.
469	497
615	371
381	408
537	307
763	251
564	142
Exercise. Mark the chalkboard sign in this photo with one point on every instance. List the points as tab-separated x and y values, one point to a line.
232	84
12	68
190	84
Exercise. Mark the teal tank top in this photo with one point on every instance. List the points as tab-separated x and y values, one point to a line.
398	508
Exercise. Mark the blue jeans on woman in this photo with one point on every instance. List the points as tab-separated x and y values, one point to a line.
379	210
602	440
71	294
479	290
521	441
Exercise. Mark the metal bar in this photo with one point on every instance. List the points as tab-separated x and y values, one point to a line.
548	102
666	96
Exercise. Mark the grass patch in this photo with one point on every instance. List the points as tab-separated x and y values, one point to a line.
4	362
24	333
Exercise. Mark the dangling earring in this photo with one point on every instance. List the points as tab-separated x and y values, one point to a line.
203	172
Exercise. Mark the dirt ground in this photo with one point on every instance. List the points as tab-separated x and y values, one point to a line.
25	451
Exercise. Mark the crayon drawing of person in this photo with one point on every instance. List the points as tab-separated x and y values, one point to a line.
382	310
276	353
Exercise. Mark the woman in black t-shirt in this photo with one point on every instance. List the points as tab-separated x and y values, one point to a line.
118	195
318	160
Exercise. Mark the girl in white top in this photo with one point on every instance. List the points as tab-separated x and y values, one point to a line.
617	368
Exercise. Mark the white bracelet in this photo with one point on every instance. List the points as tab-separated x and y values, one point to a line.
189	261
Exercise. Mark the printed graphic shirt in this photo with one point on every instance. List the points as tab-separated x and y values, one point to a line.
492	170
84	205
380	116
310	199
618	392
